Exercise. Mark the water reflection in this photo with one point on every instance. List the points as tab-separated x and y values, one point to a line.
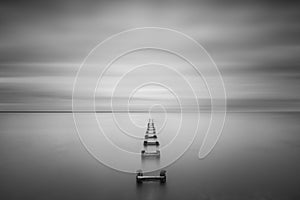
151	190
257	157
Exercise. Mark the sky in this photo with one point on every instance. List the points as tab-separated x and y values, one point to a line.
255	44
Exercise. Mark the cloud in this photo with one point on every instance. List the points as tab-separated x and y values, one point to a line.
254	43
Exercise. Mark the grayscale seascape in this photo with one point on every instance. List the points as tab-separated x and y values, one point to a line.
98	98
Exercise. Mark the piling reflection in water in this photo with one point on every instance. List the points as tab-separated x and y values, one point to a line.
150	154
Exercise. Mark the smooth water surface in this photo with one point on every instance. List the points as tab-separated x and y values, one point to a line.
257	157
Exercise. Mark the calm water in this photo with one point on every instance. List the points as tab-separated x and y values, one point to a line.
257	157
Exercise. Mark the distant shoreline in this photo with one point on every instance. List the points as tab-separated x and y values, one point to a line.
107	111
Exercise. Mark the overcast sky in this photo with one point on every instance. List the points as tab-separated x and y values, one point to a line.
254	43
